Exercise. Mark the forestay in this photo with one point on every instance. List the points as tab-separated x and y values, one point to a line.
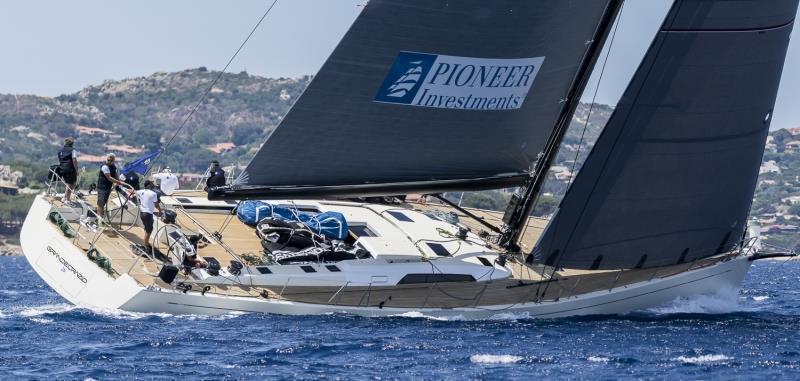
431	91
672	176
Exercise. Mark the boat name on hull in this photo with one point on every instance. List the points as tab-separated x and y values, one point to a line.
67	265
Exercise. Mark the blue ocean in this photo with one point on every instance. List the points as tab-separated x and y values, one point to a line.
749	335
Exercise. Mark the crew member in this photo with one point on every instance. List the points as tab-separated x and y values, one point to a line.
167	181
106	179
68	166
131	178
148	203
216	176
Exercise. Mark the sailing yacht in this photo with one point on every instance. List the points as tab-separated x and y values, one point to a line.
426	97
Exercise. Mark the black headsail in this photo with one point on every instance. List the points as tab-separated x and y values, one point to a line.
428	95
672	176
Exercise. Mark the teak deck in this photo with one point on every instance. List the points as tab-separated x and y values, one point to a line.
528	283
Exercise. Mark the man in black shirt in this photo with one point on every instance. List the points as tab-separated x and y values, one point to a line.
68	166
106	179
216	176
132	178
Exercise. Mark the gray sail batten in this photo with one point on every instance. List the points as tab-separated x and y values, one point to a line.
672	175
431	91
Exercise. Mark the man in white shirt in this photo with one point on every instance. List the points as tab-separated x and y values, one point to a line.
148	203
167	181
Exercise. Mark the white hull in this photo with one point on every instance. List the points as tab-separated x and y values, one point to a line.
69	272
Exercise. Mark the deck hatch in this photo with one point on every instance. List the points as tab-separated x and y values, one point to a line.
485	261
439	249
436	278
360	230
333	269
400	216
184	200
308	269
264	270
433	217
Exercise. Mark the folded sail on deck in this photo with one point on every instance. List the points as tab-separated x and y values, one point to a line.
672	176
424	91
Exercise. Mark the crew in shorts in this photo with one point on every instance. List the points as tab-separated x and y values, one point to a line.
106	179
68	164
148	203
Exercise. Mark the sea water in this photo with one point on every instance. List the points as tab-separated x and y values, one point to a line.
749	334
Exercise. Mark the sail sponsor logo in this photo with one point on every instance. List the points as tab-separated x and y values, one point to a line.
464	83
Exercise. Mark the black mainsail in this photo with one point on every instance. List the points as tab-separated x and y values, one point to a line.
672	176
426	96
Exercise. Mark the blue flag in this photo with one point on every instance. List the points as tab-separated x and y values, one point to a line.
141	164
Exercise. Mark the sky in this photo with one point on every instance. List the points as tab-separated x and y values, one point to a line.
53	47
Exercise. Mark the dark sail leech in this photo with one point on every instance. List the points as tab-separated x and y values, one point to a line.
671	177
422	91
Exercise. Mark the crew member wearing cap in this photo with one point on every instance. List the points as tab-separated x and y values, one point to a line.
167	182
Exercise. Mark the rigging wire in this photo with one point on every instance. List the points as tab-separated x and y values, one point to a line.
599	81
594	99
602	71
211	86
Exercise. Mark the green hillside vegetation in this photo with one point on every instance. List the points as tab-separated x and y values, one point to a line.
144	113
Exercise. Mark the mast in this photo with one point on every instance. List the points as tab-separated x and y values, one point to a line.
522	202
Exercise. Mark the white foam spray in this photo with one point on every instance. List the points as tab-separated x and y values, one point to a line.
494	359
703	359
724	301
599	359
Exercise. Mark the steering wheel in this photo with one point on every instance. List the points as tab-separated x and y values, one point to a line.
166	243
117	216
